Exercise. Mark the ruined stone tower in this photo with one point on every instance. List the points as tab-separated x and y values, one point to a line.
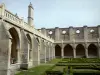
30	15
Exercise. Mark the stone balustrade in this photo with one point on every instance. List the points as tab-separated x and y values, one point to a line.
14	19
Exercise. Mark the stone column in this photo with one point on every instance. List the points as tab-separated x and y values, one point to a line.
71	33
85	39
45	53
49	53
85	33
33	49
57	34
5	50
53	49
98	41
62	52
52	53
38	54
86	52
74	52
99	32
99	51
41	50
24	50
74	48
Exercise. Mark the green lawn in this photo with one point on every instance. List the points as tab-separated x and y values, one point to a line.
35	71
54	61
58	68
39	69
60	64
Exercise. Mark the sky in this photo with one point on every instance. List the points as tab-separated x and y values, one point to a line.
58	13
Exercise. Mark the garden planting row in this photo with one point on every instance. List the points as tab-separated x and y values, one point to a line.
81	60
71	66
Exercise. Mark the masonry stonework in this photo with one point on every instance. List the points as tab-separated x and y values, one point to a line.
22	46
75	42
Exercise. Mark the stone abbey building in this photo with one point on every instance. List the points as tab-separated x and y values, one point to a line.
23	46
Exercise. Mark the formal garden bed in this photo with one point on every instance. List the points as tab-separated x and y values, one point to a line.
81	60
70	66
39	70
35	71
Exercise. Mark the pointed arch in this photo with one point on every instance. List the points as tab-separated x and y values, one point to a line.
15	45
68	51
92	51
80	51
29	46
57	51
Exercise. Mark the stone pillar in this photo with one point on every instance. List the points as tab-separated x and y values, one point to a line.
5	50
74	48
43	30
74	52
45	52
85	33
86	52
85	39
41	50
99	31
62	52
38	54
52	51
99	51
98	41
35	51
49	53
53	47
57	34
24	50
71	33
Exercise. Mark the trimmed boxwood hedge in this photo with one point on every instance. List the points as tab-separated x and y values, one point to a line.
80	60
75	63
